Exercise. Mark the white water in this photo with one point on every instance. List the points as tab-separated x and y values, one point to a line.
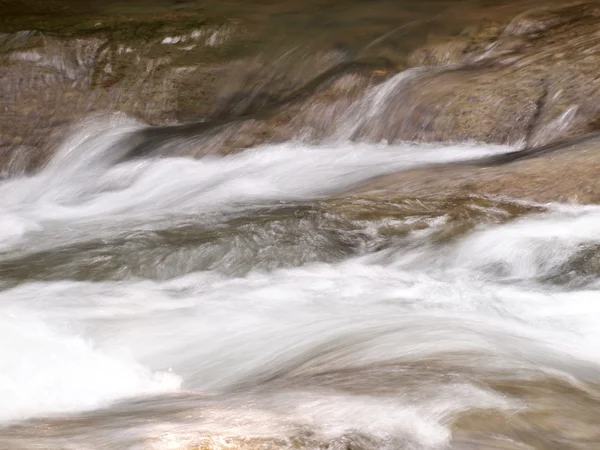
81	185
477	303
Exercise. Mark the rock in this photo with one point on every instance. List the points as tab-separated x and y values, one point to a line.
527	82
211	441
531	81
534	81
445	52
50	81
311	112
159	68
440	54
565	172
315	111
192	441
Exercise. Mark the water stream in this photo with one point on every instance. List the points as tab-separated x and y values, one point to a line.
154	302
245	301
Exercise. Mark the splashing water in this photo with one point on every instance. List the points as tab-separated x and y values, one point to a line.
413	344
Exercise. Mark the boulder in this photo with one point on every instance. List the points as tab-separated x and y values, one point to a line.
312	112
159	68
530	82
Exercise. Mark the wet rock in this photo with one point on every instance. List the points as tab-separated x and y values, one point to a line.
457	105
445	52
534	426
528	82
566	172
311	112
161	69
400	217
50	81
198	441
533	81
440	54
314	115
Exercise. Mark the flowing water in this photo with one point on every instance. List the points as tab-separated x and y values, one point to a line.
243	301
158	303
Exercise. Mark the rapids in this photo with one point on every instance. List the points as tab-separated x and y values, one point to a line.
161	302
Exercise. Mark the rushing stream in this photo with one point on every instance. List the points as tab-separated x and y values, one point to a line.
151	302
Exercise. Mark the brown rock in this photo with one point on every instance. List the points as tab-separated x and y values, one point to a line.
464	104
160	69
312	112
568	174
533	82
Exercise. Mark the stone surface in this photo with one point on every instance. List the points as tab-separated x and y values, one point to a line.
313	112
160	69
568	174
533	81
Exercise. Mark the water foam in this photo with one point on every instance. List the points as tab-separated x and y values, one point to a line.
284	328
309	341
44	370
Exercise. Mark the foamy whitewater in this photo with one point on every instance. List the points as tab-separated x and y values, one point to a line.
388	344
